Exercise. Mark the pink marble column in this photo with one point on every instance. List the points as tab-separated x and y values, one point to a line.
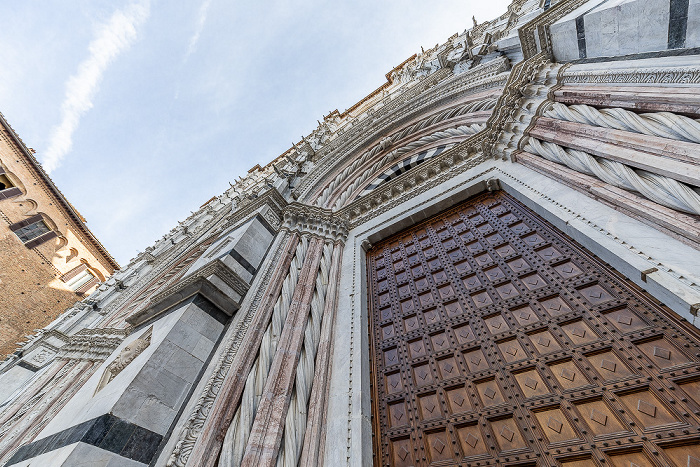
679	99
206	449
312	452
679	160
683	227
266	434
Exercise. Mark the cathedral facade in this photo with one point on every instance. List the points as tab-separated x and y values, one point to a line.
492	259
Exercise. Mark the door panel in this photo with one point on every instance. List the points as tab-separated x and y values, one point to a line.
497	340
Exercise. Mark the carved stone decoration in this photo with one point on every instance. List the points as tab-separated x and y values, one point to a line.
315	221
125	357
468	108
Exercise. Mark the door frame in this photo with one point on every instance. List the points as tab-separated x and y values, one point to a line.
617	242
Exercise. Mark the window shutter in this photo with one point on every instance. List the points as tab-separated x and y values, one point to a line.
41	239
74	272
26	222
10	193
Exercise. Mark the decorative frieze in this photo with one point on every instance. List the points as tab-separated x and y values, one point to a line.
655	75
315	221
95	344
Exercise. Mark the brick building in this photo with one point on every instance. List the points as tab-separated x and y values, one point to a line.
49	259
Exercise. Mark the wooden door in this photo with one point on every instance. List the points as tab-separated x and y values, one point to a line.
497	340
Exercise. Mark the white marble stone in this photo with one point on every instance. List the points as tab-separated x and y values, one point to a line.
692	37
613	28
55	458
152	388
12	380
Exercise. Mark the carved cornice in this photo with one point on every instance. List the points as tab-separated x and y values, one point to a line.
305	219
509	104
215	268
198	282
656	75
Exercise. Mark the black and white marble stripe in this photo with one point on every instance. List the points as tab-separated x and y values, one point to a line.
404	166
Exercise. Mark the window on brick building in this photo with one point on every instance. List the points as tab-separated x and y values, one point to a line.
79	280
32	231
7	188
5	182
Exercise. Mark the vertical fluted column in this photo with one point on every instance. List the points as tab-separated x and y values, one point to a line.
263	444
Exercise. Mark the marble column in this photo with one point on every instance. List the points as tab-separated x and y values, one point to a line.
266	434
208	446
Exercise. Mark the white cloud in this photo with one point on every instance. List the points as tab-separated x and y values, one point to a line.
201	19
112	37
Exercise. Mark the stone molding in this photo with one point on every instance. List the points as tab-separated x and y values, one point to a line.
511	101
410	184
653	75
95	345
160	267
398	138
679	226
215	268
356	185
429	93
198	282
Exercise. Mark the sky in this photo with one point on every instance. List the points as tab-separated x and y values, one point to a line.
142	110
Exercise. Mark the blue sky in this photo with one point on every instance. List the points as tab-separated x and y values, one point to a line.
143	110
